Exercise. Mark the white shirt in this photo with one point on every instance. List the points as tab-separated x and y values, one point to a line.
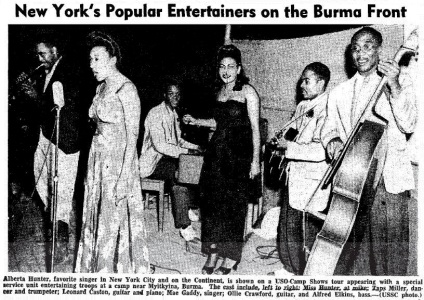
344	105
162	136
307	156
50	74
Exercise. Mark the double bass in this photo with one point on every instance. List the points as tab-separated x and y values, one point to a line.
352	175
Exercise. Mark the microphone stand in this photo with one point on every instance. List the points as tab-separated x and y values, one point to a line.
55	190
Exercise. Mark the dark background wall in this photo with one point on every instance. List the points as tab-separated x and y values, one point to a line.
152	53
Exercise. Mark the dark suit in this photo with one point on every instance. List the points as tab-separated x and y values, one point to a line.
70	114
69	139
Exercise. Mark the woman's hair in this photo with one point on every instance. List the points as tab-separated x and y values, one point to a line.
100	39
233	52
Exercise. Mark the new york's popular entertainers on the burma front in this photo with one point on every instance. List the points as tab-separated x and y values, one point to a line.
347	175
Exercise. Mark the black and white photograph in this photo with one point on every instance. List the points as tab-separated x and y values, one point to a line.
176	141
233	158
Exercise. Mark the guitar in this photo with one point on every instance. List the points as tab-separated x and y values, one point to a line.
277	162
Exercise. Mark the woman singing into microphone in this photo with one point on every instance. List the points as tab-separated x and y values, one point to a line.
113	237
231	161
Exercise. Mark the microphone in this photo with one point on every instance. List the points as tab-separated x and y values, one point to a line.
58	97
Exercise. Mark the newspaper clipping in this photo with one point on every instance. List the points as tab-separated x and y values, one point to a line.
233	149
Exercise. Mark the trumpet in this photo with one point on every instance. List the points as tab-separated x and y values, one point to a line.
21	80
24	77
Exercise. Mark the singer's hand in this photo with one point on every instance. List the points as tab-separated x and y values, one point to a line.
189	120
201	150
121	189
193	151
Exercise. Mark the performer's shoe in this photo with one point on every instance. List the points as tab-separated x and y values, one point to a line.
207	270
152	269
281	273
210	264
225	271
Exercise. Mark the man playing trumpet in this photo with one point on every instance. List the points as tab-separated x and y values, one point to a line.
56	69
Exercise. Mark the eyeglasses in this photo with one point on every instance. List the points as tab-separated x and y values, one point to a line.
367	47
231	67
171	94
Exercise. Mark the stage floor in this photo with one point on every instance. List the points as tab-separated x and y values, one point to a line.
168	251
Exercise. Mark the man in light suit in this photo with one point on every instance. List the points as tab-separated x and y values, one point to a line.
306	167
162	145
388	230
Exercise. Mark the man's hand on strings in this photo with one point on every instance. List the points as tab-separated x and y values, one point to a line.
334	148
391	70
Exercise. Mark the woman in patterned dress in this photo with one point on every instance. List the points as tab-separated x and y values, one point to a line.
113	237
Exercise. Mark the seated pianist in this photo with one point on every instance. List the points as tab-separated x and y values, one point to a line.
162	145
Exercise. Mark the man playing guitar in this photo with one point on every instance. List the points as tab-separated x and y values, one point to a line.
306	165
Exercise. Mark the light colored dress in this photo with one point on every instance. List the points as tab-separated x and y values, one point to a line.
113	237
